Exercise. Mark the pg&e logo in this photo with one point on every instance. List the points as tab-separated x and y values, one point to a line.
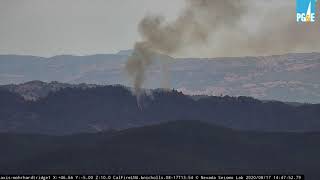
306	10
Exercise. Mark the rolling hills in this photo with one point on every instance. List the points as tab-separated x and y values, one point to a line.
168	148
93	109
290	77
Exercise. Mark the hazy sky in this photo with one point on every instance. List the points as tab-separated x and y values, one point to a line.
82	27
47	27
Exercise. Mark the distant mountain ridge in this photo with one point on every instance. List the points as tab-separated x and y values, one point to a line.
33	90
77	109
289	77
178	147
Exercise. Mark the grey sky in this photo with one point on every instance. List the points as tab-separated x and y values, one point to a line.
81	27
47	28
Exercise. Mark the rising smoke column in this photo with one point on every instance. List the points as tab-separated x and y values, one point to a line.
222	28
192	27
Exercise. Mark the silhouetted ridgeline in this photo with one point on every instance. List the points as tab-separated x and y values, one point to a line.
73	110
176	147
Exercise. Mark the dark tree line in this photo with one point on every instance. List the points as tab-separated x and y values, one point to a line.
73	110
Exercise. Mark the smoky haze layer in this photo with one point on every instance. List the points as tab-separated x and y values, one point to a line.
222	28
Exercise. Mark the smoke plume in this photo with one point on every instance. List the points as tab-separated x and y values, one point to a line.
222	28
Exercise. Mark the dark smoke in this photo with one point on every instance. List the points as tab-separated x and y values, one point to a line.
222	28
